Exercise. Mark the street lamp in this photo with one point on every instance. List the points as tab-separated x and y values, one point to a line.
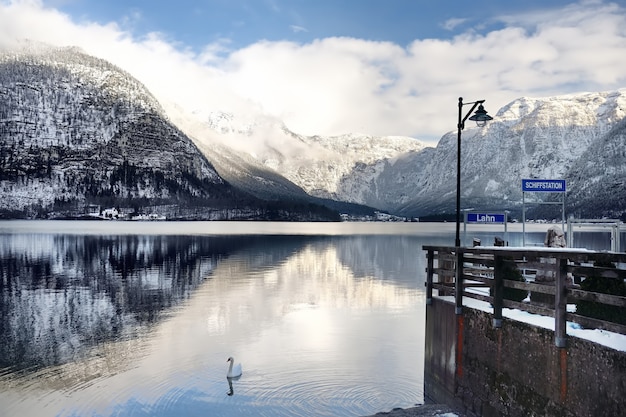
481	118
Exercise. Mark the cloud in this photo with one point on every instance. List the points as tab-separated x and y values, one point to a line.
131	18
451	24
297	29
339	85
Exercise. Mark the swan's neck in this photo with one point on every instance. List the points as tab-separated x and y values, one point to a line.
230	368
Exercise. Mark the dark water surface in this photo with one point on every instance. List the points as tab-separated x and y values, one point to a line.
138	319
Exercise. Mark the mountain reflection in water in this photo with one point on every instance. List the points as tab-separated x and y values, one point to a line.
142	324
63	293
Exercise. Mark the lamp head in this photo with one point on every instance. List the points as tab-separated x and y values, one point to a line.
480	116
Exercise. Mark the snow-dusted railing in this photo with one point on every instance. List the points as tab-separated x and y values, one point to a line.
488	271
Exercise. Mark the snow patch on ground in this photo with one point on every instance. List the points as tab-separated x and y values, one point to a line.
609	339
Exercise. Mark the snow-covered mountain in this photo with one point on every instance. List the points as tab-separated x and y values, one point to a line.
244	152
70	121
261	151
76	130
548	138
344	168
577	137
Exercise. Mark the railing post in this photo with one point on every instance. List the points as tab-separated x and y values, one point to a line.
458	284
560	304
429	276
498	291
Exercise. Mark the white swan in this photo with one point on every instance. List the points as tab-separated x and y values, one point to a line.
234	371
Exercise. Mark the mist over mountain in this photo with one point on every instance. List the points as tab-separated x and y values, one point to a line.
78	132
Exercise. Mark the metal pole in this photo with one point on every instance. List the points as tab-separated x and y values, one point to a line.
460	125
458	284
523	218
464	228
457	241
506	232
563	214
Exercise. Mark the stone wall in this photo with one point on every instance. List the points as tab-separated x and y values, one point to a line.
517	370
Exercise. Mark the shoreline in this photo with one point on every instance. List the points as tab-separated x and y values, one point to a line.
425	410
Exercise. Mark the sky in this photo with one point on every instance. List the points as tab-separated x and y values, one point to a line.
329	67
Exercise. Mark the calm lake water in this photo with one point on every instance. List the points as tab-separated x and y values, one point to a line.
138	319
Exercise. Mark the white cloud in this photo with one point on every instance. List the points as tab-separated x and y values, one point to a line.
338	85
451	24
297	29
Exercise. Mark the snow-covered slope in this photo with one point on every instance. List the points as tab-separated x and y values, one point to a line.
343	167
529	138
243	150
598	178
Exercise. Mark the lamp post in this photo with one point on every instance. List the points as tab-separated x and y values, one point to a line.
481	118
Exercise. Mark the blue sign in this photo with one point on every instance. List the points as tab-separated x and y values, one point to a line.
486	218
549	186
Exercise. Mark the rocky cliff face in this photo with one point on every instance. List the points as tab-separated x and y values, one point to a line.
75	129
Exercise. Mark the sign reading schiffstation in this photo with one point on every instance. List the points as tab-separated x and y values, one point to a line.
550	186
542	186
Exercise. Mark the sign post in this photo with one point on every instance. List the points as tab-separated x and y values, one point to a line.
542	186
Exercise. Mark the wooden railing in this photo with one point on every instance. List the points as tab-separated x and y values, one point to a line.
496	269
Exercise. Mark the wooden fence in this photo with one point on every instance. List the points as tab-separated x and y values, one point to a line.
488	273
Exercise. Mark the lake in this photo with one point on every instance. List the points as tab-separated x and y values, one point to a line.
138	318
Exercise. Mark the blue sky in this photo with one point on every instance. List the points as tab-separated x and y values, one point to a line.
393	67
196	23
